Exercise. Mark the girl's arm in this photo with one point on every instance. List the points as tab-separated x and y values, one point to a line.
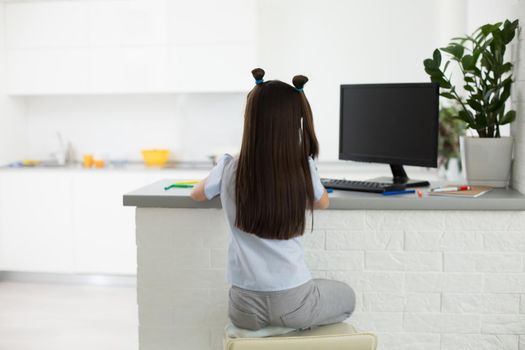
197	194
323	202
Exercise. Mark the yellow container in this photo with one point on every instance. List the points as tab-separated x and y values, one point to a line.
87	160
99	163
155	157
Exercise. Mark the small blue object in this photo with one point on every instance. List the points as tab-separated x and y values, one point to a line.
301	89
329	190
391	193
259	81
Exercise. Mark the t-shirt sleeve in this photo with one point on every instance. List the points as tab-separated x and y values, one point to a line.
316	180
212	186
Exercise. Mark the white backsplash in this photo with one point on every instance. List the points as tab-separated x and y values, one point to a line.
192	126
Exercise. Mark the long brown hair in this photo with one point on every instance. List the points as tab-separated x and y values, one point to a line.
273	185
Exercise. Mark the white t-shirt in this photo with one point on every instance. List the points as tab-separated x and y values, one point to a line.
256	263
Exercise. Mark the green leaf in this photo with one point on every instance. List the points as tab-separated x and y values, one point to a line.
437	57
509	31
469	88
434	79
468	62
430	63
469	79
434	73
475	105
481	120
504	68
509	117
448	95
489	28
455	50
446	66
467	118
486	95
444	84
495	105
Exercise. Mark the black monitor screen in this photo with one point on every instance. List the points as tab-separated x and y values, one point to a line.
390	123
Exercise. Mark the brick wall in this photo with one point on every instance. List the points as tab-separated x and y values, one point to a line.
444	280
518	101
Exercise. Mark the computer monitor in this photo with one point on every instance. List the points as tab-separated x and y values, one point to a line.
396	124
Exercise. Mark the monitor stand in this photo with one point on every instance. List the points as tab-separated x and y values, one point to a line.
399	177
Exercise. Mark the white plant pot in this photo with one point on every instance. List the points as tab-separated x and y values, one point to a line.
453	173
486	161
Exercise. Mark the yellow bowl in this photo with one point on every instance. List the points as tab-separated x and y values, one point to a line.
155	157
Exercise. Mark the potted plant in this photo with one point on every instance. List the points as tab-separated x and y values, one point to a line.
450	130
487	81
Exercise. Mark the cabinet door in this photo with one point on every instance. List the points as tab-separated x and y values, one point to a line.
143	46
46	24
212	45
48	71
35	221
47	47
209	68
205	22
104	230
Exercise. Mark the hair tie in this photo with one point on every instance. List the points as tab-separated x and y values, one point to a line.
298	81
258	75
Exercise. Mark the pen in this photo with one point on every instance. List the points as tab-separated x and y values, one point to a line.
391	193
192	182
177	185
450	189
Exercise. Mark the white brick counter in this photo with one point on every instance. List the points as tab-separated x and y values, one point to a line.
424	279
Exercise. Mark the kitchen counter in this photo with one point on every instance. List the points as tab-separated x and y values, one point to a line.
154	196
451	270
128	166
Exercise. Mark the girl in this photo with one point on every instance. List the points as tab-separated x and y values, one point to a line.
265	192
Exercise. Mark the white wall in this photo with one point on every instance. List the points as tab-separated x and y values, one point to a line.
192	126
518	102
11	112
480	12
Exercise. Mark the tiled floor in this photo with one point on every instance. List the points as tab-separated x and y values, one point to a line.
59	316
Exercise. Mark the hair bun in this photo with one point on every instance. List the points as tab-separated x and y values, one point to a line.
299	81
258	73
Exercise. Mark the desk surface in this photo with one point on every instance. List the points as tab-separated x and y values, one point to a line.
154	196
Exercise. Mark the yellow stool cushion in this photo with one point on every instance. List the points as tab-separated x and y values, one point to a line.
339	336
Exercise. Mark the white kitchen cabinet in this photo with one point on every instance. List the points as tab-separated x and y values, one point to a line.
36	221
209	68
128	69
127	23
102	227
72	220
205	22
141	46
46	24
48	71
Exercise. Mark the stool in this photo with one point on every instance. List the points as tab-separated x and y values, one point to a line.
338	336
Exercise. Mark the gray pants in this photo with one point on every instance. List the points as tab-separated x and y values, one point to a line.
315	303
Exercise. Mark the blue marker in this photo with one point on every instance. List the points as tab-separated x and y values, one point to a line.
391	193
329	190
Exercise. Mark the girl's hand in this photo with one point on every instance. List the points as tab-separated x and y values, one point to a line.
323	202
197	194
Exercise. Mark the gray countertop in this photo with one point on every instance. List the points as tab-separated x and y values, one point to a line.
154	196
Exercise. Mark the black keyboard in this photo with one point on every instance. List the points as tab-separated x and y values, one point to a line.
362	186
